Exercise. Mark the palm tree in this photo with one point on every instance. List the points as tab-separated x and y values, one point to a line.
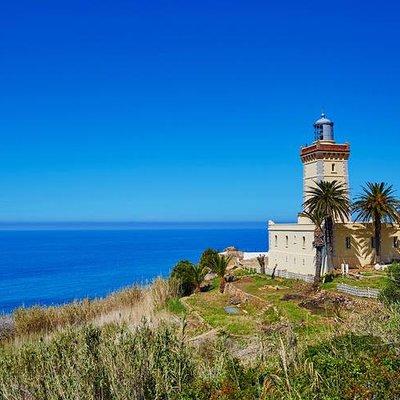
317	218
378	204
219	265
331	200
198	274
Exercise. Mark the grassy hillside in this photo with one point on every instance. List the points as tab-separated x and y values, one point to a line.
284	341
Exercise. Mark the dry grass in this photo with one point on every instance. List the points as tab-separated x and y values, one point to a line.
130	305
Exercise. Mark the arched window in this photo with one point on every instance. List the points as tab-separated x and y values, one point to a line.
276	240
287	241
333	167
304	242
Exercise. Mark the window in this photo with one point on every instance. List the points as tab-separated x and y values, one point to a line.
295	239
276	241
333	167
348	242
287	241
304	261
372	242
304	242
396	242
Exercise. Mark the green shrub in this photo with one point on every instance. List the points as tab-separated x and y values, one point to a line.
348	367
391	292
183	274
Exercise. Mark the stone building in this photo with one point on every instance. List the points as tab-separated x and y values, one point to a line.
291	245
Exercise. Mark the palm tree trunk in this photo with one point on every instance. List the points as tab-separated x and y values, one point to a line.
329	239
222	285
377	237
318	263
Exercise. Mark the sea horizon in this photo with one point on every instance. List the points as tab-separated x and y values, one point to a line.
129	225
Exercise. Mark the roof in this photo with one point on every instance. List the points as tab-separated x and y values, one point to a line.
323	120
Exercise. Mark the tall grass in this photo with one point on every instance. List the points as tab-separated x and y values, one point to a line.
114	362
118	348
129	305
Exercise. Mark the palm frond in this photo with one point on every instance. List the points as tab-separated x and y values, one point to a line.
377	201
330	199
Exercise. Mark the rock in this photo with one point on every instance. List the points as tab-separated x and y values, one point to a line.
210	276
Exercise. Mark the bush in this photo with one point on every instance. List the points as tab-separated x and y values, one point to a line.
391	292
182	273
345	368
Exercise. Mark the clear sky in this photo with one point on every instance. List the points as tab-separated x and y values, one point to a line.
188	110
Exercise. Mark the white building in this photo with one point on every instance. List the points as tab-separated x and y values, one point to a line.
291	245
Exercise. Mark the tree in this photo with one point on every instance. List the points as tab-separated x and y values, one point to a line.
198	275
189	276
317	218
183	274
378	204
206	260
219	266
330	200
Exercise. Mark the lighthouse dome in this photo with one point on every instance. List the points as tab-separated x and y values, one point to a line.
323	120
323	129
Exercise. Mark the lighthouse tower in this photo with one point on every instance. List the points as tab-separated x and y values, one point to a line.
324	159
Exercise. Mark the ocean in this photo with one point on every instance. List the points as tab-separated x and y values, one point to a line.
50	265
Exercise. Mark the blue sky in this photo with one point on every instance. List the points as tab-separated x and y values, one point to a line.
188	111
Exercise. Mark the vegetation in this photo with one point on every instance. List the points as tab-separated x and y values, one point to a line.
188	276
276	348
40	319
184	275
219	266
391	292
207	258
329	199
378	204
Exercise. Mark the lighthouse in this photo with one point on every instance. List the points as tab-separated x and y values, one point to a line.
324	159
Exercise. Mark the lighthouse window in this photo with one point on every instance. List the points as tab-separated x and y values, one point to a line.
304	242
276	241
287	240
333	168
348	242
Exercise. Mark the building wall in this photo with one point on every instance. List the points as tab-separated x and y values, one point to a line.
361	252
317	170
291	247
